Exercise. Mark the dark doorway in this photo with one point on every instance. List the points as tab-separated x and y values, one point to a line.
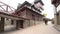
12	22
19	24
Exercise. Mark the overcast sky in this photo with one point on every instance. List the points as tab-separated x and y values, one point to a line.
48	7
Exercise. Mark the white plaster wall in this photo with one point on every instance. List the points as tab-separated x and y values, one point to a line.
55	21
58	8
15	23
59	18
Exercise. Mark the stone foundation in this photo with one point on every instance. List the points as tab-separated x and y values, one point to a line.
32	22
39	22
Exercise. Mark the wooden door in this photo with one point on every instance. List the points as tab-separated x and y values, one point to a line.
19	24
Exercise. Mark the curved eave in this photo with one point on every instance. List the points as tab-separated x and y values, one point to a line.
39	1
56	2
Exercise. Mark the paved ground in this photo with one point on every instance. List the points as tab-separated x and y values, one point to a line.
37	29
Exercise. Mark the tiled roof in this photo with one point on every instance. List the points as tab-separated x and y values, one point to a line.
36	1
28	5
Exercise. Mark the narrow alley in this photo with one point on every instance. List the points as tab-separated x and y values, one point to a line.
37	29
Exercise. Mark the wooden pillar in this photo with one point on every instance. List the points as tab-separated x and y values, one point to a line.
12	22
16	24
2	25
55	16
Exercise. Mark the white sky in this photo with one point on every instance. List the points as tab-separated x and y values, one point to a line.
48	8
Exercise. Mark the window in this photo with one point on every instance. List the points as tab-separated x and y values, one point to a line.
12	22
7	19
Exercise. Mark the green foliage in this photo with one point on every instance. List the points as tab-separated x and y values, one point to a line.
44	14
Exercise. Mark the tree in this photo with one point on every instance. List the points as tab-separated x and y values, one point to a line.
45	14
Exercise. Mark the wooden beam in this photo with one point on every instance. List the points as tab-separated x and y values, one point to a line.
11	8
7	5
6	8
2	8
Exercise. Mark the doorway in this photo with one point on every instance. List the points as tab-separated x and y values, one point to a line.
19	24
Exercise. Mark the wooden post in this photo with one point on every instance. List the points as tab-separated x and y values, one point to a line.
2	25
16	24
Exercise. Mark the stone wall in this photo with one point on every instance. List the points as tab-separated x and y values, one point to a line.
39	22
28	23
32	22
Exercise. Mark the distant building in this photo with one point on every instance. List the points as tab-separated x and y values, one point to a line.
56	19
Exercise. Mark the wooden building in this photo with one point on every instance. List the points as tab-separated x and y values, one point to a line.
28	11
26	15
56	19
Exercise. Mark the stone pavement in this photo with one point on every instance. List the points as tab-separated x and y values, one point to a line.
37	29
